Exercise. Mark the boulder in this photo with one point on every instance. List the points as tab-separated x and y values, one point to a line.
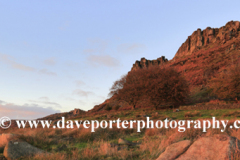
17	149
218	147
175	110
146	115
174	150
5	138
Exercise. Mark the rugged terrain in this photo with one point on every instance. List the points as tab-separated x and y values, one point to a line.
204	55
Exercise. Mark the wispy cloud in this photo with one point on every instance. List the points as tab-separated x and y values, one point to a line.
131	48
97	54
46	101
80	83
104	60
10	61
50	61
45	71
26	111
82	93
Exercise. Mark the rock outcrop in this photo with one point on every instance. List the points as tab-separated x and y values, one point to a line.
218	147
144	63
77	111
5	138
17	149
174	150
200	39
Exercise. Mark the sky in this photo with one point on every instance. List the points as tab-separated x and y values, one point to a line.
59	55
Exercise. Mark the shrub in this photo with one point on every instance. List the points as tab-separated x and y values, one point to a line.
162	86
108	108
130	88
166	87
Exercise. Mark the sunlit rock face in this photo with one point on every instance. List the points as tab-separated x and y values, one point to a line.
200	39
144	63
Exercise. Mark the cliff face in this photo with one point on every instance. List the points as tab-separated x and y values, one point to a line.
200	39
144	63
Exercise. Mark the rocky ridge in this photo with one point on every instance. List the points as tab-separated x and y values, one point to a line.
201	38
144	63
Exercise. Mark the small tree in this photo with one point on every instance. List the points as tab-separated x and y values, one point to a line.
166	87
117	85
129	88
162	86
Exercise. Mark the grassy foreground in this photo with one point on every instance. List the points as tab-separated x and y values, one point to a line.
103	144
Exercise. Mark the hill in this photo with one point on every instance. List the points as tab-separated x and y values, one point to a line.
204	55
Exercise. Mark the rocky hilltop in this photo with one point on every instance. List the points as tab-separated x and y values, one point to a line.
209	36
71	114
199	40
144	63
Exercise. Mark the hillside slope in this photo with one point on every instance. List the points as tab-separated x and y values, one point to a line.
205	54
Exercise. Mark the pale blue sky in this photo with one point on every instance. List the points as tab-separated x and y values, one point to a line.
59	55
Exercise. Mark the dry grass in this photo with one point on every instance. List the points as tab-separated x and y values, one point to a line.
154	141
58	156
192	114
151	132
232	113
149	147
